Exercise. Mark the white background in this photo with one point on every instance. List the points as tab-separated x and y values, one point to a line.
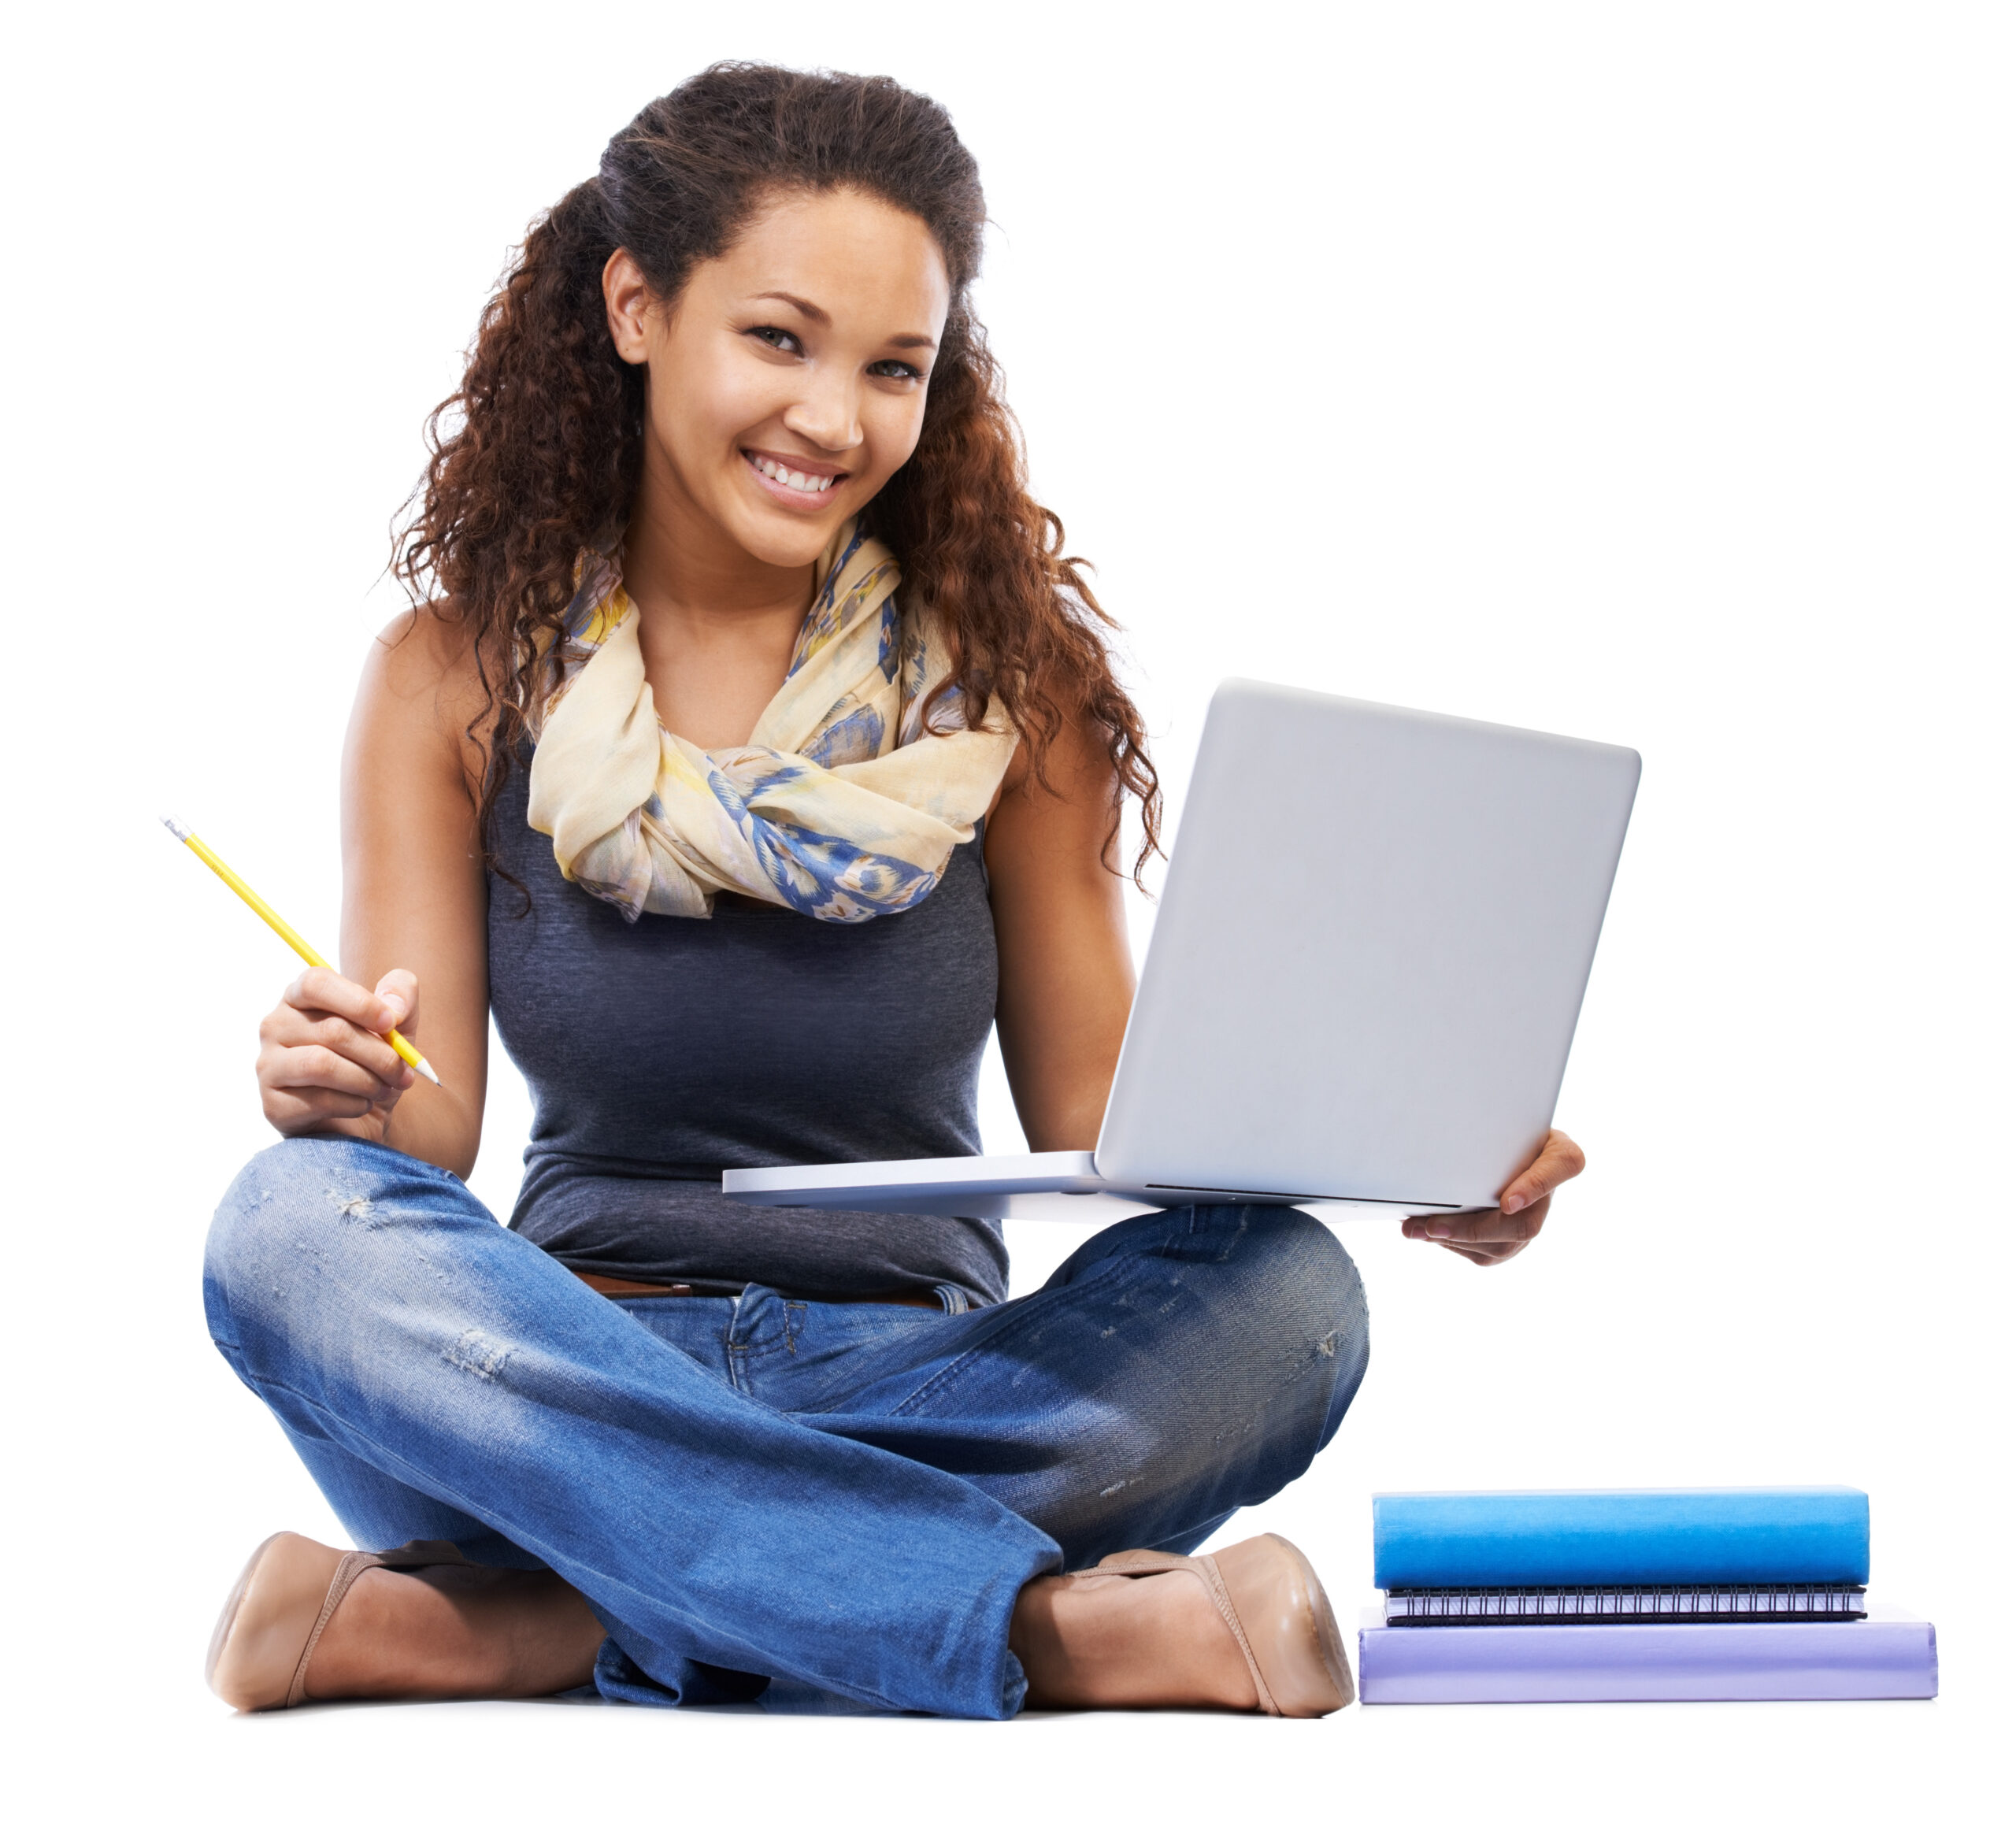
1642	373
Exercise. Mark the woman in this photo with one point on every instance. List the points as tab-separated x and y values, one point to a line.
746	851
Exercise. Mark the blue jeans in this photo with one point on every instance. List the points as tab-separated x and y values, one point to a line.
848	1496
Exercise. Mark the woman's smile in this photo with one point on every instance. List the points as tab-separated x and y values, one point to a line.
794	482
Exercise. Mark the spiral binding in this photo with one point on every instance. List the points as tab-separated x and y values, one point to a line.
1696	1602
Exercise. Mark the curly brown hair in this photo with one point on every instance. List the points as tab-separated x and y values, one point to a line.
539	455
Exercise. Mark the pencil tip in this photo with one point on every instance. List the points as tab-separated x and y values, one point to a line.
427	1070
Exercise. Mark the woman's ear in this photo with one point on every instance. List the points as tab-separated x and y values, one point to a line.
627	298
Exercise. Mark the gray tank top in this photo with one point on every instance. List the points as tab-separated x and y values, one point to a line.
662	1052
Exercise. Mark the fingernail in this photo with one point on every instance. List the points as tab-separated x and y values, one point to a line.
1438	1231
1514	1203
394	1006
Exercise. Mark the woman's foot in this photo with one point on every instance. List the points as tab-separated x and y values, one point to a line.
307	1621
1247	1628
456	1631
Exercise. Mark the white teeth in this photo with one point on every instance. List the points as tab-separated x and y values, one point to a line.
791	478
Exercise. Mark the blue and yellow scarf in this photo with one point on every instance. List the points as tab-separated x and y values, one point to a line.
839	807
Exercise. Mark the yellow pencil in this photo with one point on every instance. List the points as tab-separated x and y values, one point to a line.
187	837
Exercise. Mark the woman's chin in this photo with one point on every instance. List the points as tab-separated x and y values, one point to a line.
783	538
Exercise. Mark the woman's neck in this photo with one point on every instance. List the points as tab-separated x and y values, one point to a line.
717	626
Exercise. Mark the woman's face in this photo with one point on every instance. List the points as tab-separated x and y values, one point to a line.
787	380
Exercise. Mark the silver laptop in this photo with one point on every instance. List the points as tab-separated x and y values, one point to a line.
1364	978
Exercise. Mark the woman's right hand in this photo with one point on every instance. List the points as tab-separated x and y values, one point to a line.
324	1066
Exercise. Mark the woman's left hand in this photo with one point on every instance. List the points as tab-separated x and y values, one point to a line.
1488	1236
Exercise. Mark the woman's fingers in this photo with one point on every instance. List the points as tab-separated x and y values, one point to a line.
291	1043
327	1065
1493	1228
1486	1237
324	991
398	993
322	1008
294	1111
323	1055
1559	1159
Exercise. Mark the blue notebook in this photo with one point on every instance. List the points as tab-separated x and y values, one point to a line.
1578	1538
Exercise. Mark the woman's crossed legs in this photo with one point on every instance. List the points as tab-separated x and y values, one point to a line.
853	1497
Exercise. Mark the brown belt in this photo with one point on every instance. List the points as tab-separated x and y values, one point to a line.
637	1288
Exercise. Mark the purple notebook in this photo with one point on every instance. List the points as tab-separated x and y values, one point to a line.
1889	1654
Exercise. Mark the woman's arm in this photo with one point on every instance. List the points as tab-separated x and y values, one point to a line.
414	926
414	895
1067	973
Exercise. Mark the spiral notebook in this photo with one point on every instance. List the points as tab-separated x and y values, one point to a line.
1585	1607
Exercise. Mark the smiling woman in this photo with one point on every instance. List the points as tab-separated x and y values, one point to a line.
778	411
852	219
751	750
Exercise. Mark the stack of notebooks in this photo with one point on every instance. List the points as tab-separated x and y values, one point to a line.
1679	1595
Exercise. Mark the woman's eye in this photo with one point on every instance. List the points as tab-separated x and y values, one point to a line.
895	370
771	337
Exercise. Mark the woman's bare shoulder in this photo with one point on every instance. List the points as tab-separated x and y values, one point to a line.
1074	768
423	692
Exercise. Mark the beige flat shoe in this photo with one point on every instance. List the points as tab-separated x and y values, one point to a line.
259	1653
1277	1611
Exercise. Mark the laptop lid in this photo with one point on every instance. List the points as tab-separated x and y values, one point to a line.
1370	954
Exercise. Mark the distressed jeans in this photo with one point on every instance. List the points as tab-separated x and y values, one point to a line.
844	1496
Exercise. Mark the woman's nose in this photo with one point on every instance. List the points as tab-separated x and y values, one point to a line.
827	413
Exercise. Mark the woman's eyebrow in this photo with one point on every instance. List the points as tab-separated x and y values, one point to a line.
806	308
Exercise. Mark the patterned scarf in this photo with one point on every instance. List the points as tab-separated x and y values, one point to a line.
839	807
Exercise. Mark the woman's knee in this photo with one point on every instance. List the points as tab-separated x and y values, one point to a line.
1318	1278
1289	1259
1263	1272
289	1190
298	1208
1301	1289
1249	1322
